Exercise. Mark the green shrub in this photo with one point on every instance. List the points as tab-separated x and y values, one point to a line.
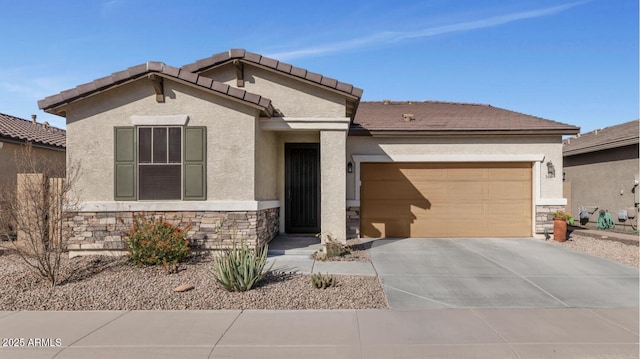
321	281
153	241
240	268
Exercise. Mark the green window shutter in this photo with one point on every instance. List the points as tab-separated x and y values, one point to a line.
125	164
195	163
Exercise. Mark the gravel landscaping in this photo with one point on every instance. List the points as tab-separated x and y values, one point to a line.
110	283
625	253
107	283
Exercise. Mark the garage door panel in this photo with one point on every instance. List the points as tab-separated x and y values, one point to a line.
392	209
466	191
389	228
417	174
446	199
469	229
466	174
400	190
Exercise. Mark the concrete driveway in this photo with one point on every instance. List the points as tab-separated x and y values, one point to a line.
498	273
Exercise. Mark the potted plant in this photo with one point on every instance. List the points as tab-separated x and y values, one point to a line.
560	219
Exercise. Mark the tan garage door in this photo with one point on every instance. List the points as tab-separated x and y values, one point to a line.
445	199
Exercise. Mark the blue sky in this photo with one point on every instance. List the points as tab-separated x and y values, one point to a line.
569	61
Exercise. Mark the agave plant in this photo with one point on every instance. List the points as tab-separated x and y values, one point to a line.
240	268
321	281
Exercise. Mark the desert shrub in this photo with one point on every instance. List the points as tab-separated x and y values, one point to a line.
153	241
32	213
240	268
322	281
332	248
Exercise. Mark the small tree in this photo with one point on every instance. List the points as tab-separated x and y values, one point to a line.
35	212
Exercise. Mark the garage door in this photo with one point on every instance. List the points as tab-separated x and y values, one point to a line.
445	199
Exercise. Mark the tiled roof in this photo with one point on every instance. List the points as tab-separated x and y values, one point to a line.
15	128
435	117
250	57
605	138
49	103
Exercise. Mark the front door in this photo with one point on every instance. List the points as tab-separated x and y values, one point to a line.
302	187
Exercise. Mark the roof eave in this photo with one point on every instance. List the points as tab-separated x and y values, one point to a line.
601	147
38	144
354	99
59	108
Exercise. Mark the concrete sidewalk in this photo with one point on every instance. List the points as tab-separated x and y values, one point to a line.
450	333
295	255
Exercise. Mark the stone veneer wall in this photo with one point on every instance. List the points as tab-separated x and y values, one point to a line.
102	231
353	222
544	218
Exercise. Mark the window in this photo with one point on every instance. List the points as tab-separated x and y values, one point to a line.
160	163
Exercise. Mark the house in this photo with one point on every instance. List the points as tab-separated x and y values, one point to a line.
48	144
244	144
601	173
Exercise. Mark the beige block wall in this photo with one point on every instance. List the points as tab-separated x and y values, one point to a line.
9	167
292	97
548	146
230	136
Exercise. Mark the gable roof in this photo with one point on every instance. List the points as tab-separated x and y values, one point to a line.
434	117
51	104
609	137
20	130
274	65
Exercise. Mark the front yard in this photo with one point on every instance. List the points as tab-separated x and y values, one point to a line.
107	283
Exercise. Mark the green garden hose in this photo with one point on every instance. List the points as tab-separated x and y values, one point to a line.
605	221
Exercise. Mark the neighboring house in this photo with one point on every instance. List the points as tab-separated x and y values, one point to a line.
238	142
601	173
47	142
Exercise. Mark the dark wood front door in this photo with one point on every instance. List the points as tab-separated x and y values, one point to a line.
302	187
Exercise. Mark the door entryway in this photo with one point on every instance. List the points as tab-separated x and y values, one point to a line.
302	187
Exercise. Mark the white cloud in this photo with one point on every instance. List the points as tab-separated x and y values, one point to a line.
395	36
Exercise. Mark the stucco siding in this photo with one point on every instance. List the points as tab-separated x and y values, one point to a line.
230	136
266	153
291	97
603	179
9	152
332	181
549	148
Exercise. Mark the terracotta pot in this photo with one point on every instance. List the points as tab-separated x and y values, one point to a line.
559	230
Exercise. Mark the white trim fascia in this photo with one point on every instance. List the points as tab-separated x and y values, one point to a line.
166	206
165	120
551	202
304	123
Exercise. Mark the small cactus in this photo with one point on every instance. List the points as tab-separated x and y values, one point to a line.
322	281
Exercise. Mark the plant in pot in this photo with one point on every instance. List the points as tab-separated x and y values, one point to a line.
560	219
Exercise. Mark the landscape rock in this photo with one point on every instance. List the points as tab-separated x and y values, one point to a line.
183	288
